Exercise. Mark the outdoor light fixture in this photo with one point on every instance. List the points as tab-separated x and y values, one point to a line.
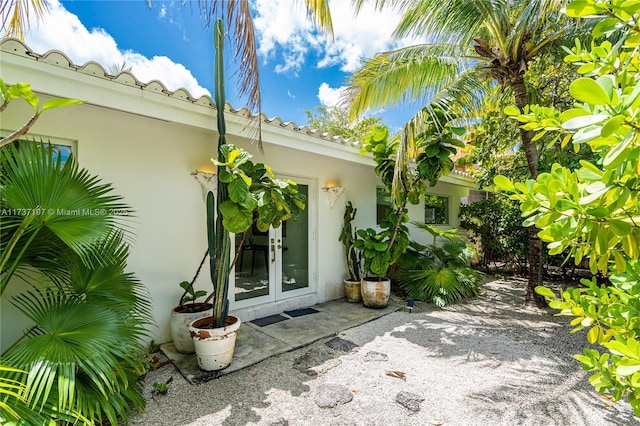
333	191
208	181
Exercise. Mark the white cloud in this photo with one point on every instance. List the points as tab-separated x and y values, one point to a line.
291	95
163	11
284	29
62	30
329	96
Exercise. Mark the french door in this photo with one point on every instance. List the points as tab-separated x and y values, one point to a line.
276	264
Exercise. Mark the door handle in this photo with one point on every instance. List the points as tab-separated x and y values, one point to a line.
273	251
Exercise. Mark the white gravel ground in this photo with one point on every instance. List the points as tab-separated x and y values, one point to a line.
485	362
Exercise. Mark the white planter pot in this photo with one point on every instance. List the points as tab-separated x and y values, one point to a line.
352	288
214	346
179	325
375	292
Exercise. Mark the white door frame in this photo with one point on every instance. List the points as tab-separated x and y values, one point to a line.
275	256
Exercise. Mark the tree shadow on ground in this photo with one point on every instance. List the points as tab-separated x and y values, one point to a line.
528	349
237	398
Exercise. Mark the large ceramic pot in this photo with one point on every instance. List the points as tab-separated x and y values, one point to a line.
181	317
375	292
352	288
214	346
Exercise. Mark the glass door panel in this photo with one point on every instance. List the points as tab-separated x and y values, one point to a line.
253	267
294	235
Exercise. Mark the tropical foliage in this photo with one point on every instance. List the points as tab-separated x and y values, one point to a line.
335	120
408	166
348	237
441	272
14	15
593	210
62	248
495	223
247	194
474	44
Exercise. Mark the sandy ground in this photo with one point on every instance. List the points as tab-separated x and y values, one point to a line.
485	362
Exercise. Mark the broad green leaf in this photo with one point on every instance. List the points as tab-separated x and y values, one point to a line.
593	334
584	121
544	291
60	102
239	222
619	227
573	113
503	183
611	126
512	110
610	160
588	90
564	204
593	196
581	8
23	90
621	263
605	26
627	367
238	190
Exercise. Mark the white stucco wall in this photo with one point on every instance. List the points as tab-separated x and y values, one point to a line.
149	161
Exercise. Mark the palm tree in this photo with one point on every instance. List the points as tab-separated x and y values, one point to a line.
83	355
474	45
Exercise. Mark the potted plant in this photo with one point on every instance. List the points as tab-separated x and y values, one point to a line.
248	194
380	250
188	310
407	165
352	255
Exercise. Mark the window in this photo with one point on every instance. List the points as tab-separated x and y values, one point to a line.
436	210
383	204
61	147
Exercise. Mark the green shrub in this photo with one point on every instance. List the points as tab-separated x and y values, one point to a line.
440	273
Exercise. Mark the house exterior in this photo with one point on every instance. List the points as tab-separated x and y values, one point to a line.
149	142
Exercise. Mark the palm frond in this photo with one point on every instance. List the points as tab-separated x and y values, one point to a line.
75	208
320	10
454	21
532	24
404	75
15	14
78	351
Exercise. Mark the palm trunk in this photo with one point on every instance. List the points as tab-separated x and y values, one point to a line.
535	244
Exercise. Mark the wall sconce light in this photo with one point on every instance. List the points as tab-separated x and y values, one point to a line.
333	191
208	182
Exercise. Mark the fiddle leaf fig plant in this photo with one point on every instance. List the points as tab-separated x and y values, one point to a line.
407	166
247	194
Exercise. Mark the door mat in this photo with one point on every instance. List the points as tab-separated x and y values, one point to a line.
301	312
271	319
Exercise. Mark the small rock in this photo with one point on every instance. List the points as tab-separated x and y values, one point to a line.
410	401
280	422
340	344
372	356
329	396
312	358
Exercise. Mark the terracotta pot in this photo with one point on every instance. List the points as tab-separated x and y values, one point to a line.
214	346
352	288
179	325
375	292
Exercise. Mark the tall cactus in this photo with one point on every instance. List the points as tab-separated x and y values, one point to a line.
218	237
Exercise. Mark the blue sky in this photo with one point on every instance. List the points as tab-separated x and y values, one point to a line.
300	68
